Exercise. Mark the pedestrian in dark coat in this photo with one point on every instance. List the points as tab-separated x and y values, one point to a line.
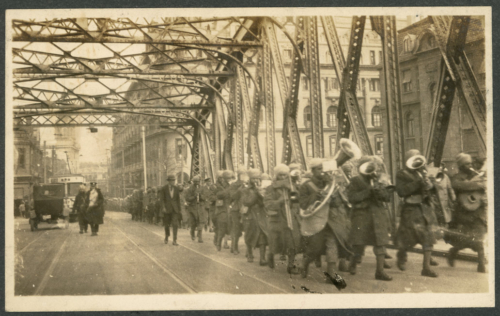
282	224
94	205
254	217
223	195
79	207
369	222
418	224
234	214
468	227
170	208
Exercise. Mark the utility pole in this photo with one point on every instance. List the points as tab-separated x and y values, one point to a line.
143	132
44	162
123	177
53	161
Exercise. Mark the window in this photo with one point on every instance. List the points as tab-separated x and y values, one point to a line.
288	54
333	144
335	83
331	84
407	45
431	41
289	19
372	57
307	116
410	124
380	58
331	116
309	146
379	145
306	83
21	159
407	86
376	116
361	59
374	85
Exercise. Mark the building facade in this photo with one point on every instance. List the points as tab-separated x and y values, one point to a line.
420	65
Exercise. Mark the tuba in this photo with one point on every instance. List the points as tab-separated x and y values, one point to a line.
348	150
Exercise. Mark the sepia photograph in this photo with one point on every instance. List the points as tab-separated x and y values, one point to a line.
248	158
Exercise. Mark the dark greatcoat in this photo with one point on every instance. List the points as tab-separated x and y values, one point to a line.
418	224
79	207
196	197
334	215
236	204
222	193
171	205
254	221
95	214
369	221
281	239
471	225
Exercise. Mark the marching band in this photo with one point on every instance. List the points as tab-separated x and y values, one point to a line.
335	210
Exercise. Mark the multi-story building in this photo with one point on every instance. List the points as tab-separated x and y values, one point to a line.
28	164
167	151
420	65
65	142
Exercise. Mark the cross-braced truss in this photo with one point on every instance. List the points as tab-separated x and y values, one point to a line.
192	75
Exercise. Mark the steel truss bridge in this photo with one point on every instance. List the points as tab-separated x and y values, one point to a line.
150	67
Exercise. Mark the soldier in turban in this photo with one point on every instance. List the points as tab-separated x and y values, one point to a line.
469	221
283	226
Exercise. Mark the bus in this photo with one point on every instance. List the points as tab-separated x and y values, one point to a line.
72	184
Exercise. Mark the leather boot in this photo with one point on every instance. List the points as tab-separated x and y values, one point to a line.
352	264
333	278
426	271
380	273
234	246
200	238
262	251
452	255
401	263
270	260
249	254
305	266
192	233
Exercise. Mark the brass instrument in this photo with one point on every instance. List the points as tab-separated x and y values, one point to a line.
348	150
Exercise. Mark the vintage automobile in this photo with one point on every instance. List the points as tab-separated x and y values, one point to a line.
49	206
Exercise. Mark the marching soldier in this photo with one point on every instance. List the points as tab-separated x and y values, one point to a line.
234	214
369	222
171	208
207	185
94	205
324	228
283	227
469	222
223	194
254	217
418	223
195	197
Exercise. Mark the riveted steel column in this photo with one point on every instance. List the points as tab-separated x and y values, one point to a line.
239	159
195	153
292	147
268	102
313	73
253	149
385	26
451	34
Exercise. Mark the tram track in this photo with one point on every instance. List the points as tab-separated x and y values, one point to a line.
219	262
168	271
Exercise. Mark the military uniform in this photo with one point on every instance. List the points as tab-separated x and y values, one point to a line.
468	228
283	232
234	214
254	222
222	203
196	196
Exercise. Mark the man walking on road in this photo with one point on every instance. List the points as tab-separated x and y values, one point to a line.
94	202
171	208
